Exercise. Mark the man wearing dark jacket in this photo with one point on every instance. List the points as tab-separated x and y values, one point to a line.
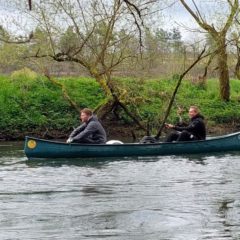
90	131
196	129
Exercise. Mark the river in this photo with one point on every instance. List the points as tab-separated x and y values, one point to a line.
194	197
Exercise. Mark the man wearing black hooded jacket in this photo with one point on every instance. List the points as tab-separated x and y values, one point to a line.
196	129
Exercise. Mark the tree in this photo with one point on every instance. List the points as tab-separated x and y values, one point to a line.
176	40
89	33
150	48
9	54
236	43
235	46
163	37
219	36
3	33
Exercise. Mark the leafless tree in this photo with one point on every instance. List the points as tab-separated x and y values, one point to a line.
102	31
219	36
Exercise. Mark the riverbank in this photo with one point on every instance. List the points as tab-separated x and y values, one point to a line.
120	132
32	105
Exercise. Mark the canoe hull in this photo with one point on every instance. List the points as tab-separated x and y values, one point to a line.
38	148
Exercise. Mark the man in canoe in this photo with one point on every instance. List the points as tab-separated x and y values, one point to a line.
195	130
90	131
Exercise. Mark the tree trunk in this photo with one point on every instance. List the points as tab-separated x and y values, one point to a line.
223	70
114	100
219	38
237	67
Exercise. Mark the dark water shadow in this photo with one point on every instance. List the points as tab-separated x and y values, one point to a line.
89	162
224	207
81	162
204	158
101	162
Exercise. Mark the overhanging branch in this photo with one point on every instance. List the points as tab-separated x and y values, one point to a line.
200	57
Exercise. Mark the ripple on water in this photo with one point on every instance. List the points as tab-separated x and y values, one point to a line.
183	198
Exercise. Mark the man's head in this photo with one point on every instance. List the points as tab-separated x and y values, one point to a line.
193	111
86	113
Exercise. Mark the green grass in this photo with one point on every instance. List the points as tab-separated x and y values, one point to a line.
36	103
156	94
84	91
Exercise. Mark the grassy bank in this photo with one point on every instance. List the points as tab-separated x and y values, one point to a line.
33	105
36	106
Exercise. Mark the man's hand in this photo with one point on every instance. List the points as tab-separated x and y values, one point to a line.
169	125
69	140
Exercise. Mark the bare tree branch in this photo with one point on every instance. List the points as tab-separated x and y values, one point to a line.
30	4
200	57
219	37
18	41
129	4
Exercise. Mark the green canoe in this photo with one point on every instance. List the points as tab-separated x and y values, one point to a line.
43	149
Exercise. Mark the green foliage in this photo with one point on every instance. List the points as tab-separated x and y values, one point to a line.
86	92
215	110
155	95
24	78
69	41
11	56
175	76
24	74
29	101
3	33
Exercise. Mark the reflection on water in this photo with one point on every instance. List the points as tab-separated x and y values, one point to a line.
190	197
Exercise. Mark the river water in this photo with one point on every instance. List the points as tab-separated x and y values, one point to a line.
193	197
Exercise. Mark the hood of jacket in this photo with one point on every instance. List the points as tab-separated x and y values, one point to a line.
198	116
92	118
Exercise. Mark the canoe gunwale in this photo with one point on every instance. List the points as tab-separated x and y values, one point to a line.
156	143
42	148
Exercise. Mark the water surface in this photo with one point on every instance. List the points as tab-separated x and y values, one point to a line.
194	197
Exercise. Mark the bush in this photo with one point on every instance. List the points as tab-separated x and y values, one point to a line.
24	77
